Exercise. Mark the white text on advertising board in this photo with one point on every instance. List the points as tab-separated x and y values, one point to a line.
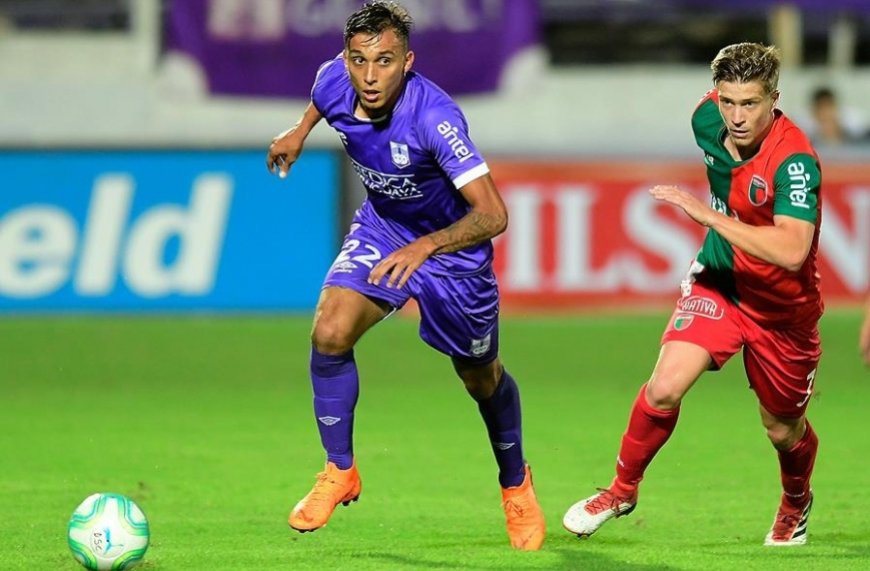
42	248
566	240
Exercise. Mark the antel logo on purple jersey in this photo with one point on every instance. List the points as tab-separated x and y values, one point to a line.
457	145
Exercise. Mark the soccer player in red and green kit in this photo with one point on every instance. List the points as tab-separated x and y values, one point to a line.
753	286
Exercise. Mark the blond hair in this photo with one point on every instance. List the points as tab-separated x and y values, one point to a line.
745	62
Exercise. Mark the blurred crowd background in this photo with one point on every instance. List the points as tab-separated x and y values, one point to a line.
573	76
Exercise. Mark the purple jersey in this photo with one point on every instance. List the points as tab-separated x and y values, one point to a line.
411	163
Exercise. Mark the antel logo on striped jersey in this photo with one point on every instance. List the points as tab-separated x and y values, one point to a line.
799	180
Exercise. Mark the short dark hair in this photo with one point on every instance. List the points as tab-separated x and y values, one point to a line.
374	18
823	93
745	62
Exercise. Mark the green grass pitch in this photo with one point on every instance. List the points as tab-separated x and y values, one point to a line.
207	423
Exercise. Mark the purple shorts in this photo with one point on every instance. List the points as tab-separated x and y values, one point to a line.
459	314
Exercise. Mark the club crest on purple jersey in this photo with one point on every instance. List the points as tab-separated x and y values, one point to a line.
400	155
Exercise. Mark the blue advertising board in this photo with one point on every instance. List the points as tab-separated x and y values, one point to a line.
164	230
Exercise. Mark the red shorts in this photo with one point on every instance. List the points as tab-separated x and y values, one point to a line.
780	363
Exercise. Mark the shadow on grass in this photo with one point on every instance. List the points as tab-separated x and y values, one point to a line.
823	551
570	560
559	554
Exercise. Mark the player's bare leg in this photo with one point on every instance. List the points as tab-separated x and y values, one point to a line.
341	318
651	422
796	443
498	400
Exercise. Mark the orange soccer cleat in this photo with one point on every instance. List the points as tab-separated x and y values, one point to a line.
525	520
334	486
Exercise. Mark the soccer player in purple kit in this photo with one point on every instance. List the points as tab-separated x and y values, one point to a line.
423	232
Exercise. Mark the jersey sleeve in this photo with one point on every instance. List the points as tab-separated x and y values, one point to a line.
326	92
707	123
443	130
797	182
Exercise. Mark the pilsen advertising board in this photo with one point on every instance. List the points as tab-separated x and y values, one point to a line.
589	234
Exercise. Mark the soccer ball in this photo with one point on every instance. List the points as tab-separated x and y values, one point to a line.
108	531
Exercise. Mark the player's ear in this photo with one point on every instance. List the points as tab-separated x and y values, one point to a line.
409	61
774	96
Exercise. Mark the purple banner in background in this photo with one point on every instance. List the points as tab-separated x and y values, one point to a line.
274	47
809	5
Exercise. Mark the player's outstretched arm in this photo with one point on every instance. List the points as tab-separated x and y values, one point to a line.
286	147
486	219
785	244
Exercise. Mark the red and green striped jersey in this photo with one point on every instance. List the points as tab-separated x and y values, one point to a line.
783	178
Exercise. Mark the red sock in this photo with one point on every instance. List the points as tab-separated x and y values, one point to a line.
648	430
796	466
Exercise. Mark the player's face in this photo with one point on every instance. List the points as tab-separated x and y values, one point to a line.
377	67
748	112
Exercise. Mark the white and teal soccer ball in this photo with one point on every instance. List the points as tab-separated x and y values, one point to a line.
108	531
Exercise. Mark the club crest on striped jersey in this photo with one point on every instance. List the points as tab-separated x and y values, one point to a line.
400	155
758	190
701	306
